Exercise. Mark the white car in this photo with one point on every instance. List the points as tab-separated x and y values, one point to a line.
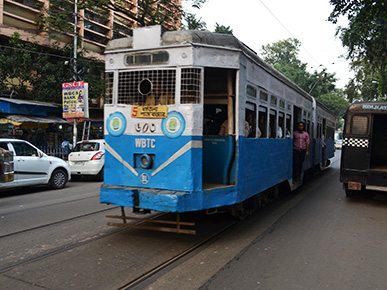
87	158
33	167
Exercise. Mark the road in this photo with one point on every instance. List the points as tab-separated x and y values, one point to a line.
313	238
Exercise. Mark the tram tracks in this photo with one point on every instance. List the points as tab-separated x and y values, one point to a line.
67	247
147	276
57	222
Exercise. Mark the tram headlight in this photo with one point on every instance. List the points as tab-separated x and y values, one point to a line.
146	161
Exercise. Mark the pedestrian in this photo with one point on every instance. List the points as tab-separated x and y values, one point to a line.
65	148
300	150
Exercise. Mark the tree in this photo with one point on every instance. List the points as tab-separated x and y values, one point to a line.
365	40
35	73
192	23
222	29
335	102
283	56
364	85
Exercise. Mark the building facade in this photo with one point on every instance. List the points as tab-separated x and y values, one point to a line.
95	27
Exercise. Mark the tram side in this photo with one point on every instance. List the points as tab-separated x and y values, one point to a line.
219	128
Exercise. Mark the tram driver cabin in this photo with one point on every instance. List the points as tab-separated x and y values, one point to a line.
169	94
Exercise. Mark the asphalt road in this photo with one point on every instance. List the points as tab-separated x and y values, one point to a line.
313	238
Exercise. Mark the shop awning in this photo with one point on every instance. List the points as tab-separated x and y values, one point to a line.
35	119
8	121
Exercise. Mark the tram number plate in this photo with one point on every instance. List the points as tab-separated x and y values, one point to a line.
354	185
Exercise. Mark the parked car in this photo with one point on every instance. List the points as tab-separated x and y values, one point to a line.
87	159
33	167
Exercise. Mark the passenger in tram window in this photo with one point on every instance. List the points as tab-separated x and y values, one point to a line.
300	150
323	144
221	118
279	129
262	124
250	125
159	96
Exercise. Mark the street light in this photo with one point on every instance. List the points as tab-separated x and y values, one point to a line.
319	79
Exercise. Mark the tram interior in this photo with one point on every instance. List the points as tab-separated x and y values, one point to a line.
218	144
378	158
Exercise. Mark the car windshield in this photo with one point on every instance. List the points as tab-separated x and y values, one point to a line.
89	146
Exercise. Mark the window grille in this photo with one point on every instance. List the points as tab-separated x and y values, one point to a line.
109	77
129	85
190	85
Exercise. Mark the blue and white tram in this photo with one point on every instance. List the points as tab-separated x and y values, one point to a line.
196	121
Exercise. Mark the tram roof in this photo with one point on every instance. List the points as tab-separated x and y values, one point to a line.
195	38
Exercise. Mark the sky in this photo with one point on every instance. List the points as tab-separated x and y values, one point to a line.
261	22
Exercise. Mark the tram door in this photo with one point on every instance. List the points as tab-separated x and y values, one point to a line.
219	126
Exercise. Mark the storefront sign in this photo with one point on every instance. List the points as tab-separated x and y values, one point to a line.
151	112
75	100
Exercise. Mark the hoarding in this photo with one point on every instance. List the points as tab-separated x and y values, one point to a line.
75	100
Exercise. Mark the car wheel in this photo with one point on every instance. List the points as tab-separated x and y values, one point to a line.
100	175
58	179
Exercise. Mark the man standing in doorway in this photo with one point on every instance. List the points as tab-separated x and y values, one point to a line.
300	150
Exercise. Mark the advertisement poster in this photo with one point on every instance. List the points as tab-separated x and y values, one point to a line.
75	100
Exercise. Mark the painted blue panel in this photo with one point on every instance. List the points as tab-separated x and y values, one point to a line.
168	201
217	156
182	173
262	164
330	148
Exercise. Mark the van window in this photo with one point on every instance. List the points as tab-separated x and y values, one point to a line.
359	125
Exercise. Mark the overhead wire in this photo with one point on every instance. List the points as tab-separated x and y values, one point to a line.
267	8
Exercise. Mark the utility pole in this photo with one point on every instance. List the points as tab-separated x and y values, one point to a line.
75	63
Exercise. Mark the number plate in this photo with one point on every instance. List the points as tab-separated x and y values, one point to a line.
79	163
354	185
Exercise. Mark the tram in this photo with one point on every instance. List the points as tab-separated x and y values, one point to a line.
196	121
364	150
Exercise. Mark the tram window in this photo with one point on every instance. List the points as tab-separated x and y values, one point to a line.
308	127
273	124
130	84
214	117
251	91
263	121
282	104
250	123
190	85
109	77
288	126
359	125
281	126
263	96
273	100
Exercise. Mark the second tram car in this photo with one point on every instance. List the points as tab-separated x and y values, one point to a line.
364	150
196	121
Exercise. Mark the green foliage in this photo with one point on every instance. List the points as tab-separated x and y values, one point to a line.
335	102
222	29
283	56
192	23
366	42
34	74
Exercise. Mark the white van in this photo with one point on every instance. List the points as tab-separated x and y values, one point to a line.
33	167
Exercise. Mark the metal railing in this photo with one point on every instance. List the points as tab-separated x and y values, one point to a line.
55	151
